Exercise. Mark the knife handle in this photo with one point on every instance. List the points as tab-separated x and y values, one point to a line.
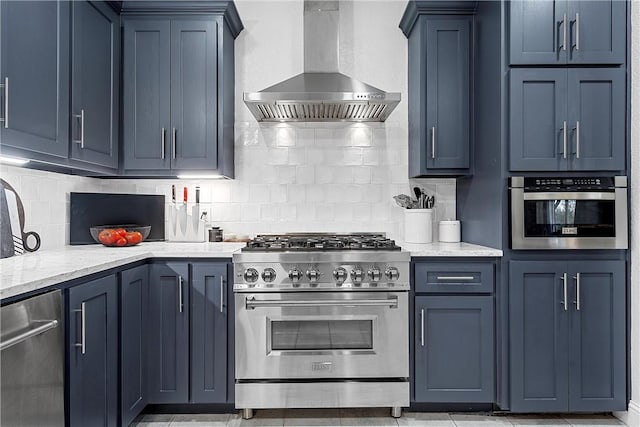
184	198
173	193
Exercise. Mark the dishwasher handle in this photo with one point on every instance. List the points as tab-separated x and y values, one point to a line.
46	326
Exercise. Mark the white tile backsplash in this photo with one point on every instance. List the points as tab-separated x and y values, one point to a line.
289	177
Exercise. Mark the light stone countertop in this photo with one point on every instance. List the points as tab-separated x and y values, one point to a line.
30	272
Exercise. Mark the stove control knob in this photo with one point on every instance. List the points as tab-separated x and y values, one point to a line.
340	274
251	275
269	275
374	274
295	275
313	275
392	273
357	275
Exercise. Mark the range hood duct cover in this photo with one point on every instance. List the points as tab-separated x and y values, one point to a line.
321	93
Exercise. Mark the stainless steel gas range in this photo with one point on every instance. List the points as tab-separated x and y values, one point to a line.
321	322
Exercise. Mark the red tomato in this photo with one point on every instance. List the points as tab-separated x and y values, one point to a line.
121	241
134	237
107	236
121	232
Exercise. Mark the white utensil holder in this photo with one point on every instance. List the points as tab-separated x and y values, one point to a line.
185	224
418	225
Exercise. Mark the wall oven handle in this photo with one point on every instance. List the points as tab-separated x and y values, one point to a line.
422	327
252	303
29	334
569	195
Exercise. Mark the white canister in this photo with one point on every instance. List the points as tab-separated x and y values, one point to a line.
449	231
418	225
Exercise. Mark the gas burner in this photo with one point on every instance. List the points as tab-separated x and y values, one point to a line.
301	242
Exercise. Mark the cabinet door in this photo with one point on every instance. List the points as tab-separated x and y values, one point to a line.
460	369
447	95
538	124
134	296
539	336
598	31
194	96
35	63
168	333
146	104
209	333
597	368
597	115
93	353
95	83
538	32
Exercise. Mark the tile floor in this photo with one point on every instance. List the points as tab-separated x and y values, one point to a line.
369	417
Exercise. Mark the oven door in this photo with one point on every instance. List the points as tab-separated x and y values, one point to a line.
569	220
302	335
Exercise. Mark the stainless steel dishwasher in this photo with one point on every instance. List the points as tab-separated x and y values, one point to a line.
32	362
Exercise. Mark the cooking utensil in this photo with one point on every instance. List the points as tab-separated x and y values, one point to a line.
405	201
430	202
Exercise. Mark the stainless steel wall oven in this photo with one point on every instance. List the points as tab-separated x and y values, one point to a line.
569	213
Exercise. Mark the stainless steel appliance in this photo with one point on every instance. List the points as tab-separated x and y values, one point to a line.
32	358
321	321
569	213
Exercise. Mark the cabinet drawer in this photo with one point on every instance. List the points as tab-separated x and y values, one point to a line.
454	278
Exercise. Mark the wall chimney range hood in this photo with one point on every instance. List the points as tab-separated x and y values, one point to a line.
321	93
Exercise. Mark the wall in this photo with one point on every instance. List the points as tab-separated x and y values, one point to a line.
632	417
301	177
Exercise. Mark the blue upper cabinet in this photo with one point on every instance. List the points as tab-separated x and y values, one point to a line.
544	32
95	83
179	88
35	77
440	67
567	119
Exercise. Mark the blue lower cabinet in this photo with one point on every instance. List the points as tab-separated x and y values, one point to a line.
209	314
134	295
92	348
168	333
567	336
454	342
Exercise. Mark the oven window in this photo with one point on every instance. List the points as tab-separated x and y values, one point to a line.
322	335
569	218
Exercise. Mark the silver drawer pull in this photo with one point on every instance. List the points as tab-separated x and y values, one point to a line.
180	303
564	291
83	329
577	301
221	294
6	102
162	141
433	142
81	117
29	334
422	327
251	303
455	278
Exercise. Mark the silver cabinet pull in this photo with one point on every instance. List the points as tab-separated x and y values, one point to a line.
44	327
180	304
578	139
455	278
5	85
83	328
221	294
422	327
433	142
81	117
564	32
564	139
577	31
564	290
577	301
173	142
164	132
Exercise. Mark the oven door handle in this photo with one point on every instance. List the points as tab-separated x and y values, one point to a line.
560	195
252	303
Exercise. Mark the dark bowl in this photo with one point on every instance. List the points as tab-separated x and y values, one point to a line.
142	229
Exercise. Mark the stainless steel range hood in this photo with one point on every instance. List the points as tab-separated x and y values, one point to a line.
321	93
